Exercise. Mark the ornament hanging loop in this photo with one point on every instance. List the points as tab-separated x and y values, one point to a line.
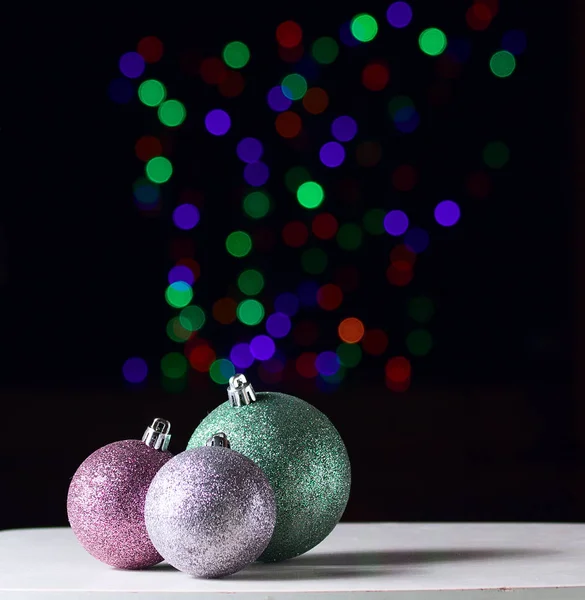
158	435
219	439
240	391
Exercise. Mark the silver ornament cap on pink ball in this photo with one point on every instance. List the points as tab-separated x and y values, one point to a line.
105	503
210	511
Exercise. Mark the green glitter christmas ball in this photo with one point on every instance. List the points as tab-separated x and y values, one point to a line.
300	452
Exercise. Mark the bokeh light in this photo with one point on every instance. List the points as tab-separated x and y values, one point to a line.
213	70
310	195
314	261
233	85
514	41
135	370
295	234
346	36
432	41
417	239
256	174
478	16
349	355
305	365
250	282
294	86
152	92
236	55
421	309
250	312
256	204
316	100
150	48
238	243
186	216
324	226
327	363
148	147
447	213
325	50
375	342
375	76
419	342
131	65
288	124
173	365
344	129
396	222
289	34
287	303
349	236
172	113
502	63
217	122
364	27
121	91
398	369
241	356
351	330
249	150
262	347
332	154
496	154
181	273
278	325
179	294
373	221
224	310
202	356
277	101
221	370
307	293
176	332
329	296
294	177
399	14
159	169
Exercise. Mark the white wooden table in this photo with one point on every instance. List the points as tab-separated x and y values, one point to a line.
358	561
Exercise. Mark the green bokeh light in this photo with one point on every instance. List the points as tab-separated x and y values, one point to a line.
502	63
364	27
496	155
171	113
325	50
173	365
419	342
152	92
238	243
250	312
310	194
432	41
349	355
179	294
192	318
236	55
221	370
159	169
250	282
294	86
421	309
174	385
349	236
295	177
176	332
257	204
374	221
314	261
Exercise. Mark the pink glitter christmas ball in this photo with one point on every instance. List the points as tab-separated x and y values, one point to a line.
105	504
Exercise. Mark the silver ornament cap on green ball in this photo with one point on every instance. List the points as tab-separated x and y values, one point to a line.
300	452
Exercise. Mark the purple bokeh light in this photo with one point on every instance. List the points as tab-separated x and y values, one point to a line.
447	213
181	273
417	239
332	154
307	293
274	364
396	222
217	122
347	37
514	41
121	91
241	356
249	150
135	370
327	363
399	14
262	347
256	174
287	303
278	325
344	129
277	101
131	65
186	216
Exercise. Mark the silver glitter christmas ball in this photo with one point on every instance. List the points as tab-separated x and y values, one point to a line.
301	453
210	511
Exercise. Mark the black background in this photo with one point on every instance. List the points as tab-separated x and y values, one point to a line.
486	431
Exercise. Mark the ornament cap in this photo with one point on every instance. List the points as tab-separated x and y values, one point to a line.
158	435
240	391
219	439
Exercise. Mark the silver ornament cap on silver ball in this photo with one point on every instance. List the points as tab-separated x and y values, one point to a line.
158	434
210	511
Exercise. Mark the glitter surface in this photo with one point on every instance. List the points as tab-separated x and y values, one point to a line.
210	511
304	458
105	504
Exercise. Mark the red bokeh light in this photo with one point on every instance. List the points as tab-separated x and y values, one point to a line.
375	342
295	234
305	365
148	147
375	76
150	48
324	226
213	70
289	34
329	296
